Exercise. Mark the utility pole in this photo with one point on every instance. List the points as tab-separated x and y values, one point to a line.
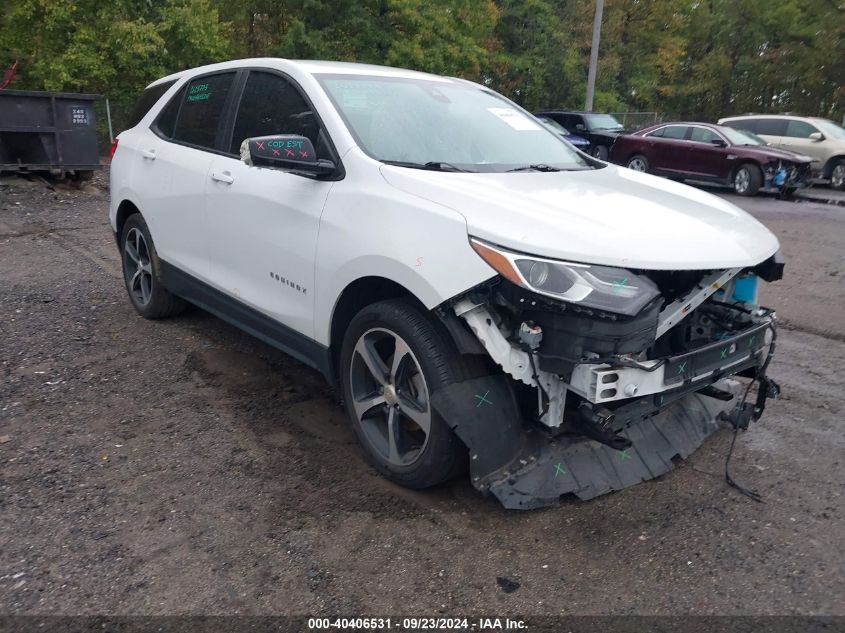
594	56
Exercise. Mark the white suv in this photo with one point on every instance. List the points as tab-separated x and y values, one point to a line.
479	292
820	139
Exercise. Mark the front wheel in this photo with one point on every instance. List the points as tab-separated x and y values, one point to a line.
748	180
599	151
837	176
392	360
638	163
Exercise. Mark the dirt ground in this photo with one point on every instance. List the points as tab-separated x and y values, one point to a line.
181	466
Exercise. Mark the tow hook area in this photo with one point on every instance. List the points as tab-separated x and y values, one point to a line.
596	422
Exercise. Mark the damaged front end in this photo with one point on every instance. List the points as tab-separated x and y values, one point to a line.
780	176
605	375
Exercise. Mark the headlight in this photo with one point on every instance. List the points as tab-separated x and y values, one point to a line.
600	287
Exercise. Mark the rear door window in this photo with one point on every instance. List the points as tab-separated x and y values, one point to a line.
675	132
202	110
752	125
770	127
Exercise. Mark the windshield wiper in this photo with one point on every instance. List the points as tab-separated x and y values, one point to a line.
536	167
432	165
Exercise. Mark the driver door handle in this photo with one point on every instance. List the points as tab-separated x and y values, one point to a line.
222	176
149	154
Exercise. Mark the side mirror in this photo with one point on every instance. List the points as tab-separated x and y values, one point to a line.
717	142
816	136
290	152
580	126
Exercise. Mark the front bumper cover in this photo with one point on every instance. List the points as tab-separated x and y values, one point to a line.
526	469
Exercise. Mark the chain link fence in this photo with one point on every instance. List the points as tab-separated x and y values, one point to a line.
633	121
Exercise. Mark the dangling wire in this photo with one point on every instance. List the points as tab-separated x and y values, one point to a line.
751	494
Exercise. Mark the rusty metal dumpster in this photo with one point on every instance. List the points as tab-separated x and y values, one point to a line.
48	131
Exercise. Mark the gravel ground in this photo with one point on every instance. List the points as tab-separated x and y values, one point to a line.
181	466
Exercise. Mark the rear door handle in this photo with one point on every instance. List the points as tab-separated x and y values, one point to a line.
222	176
148	153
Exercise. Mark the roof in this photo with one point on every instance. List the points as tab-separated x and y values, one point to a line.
310	66
770	116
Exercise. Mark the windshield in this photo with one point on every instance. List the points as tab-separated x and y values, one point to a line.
741	137
444	125
829	128
553	125
602	122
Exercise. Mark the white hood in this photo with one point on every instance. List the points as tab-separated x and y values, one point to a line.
611	216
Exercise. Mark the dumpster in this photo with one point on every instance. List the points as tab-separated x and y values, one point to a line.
48	131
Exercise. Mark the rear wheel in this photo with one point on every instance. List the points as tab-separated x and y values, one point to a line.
393	358
837	176
141	272
748	180
638	163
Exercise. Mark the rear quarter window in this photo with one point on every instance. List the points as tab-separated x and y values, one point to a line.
202	110
147	100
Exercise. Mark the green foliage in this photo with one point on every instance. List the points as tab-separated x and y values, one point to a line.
681	58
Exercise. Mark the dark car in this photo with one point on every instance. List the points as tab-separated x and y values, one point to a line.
577	141
714	153
599	129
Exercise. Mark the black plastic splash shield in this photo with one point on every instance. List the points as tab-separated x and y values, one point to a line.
588	469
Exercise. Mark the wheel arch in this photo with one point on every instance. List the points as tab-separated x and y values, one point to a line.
356	296
827	170
740	163
124	210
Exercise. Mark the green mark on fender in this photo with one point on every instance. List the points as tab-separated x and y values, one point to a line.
682	367
559	470
483	400
623	455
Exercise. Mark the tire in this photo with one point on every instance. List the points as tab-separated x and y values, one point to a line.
142	272
416	459
83	175
599	151
639	163
747	180
837	176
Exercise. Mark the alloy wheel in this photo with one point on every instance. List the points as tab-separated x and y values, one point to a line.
637	164
137	267
837	178
742	180
390	396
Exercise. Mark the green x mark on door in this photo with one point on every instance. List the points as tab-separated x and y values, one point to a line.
682	367
623	455
559	470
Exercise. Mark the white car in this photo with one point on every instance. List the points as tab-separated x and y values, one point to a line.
819	138
480	293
